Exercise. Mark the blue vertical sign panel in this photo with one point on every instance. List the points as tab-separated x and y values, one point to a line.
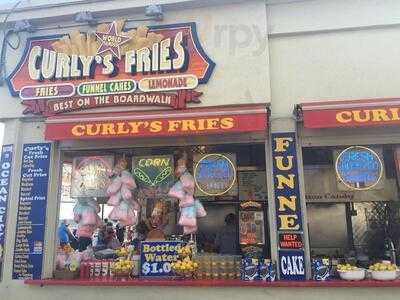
5	177
31	217
291	265
287	203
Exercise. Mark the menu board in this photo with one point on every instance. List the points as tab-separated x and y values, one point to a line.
90	176
31	216
5	177
154	174
251	228
252	186
215	174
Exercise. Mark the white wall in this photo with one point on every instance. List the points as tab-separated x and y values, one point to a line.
333	50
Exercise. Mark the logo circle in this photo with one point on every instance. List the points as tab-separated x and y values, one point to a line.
359	168
214	174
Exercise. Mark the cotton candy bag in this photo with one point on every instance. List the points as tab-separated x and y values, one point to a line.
200	211
188	216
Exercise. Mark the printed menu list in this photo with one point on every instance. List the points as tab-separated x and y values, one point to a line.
31	217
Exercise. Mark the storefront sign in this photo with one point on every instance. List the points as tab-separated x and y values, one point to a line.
5	178
288	206
291	265
286	182
156	257
351	113
91	176
290	241
31	216
215	174
359	168
111	67
128	127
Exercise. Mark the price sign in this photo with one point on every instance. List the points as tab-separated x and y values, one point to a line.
31	216
156	257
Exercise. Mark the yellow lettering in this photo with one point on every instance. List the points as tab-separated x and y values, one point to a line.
285	202
78	130
188	125
227	123
379	114
283	180
358	117
108	129
288	222
279	163
282	144
155	126
343	117
173	125
121	128
93	129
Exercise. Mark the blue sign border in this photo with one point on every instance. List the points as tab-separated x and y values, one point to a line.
6	166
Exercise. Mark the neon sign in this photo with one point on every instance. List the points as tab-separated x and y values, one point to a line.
359	168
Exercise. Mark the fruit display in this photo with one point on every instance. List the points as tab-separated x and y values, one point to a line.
122	267
380	266
347	267
185	266
349	272
383	271
124	251
186	250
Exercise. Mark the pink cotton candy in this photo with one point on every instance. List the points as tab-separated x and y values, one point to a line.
89	217
187	221
85	231
115	186
189	229
186	200
126	193
61	261
135	204
114	199
131	219
176	191
200	211
187	183
128	180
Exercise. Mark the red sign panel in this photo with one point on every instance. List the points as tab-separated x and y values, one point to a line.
290	241
123	126
353	114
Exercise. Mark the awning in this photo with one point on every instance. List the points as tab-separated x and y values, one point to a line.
352	113
197	121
